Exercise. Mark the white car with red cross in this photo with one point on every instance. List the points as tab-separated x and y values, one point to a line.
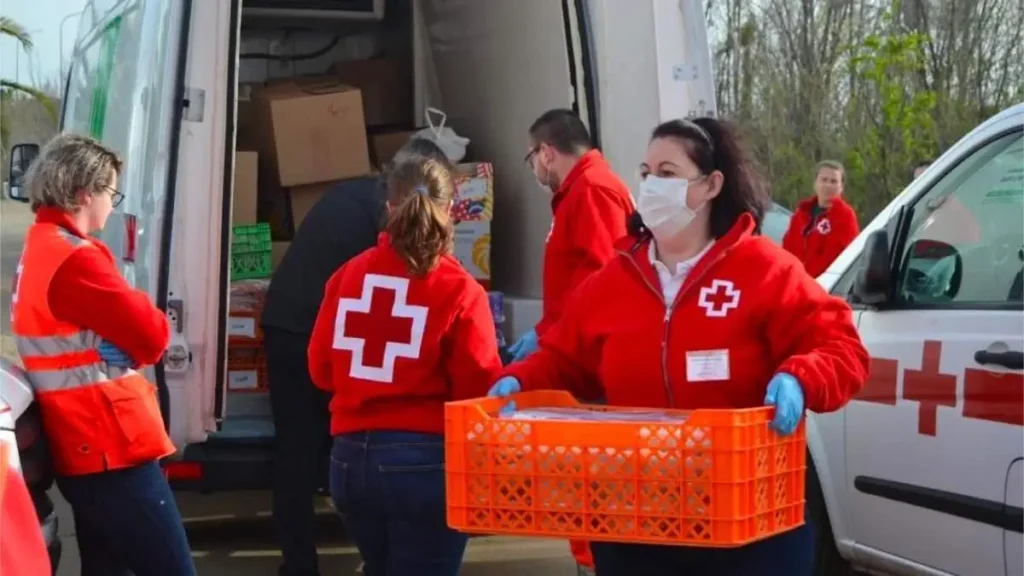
923	472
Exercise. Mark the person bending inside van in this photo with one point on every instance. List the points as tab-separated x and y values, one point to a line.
824	224
403	328
339	227
82	332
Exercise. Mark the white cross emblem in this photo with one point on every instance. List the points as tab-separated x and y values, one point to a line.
824	226
719	298
392	350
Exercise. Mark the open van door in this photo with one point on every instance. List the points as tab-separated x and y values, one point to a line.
497	65
124	88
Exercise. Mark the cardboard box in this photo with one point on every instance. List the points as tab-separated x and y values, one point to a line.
473	248
386	144
475	200
314	132
303	198
277	252
244	199
386	85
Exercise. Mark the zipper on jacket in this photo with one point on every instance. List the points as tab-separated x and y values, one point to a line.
669	309
664	338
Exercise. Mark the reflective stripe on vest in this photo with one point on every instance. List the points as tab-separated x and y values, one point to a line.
60	362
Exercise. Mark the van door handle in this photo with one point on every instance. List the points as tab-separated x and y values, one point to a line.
1011	359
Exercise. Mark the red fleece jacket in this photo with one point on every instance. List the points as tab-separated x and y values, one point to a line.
89	291
747	305
818	239
392	348
589	214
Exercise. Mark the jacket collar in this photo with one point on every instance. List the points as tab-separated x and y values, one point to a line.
54	215
592	159
636	250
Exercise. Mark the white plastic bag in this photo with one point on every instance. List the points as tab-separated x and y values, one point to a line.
453	145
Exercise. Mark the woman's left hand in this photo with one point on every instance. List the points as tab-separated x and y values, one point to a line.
787	396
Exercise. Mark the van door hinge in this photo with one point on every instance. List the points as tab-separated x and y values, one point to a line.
193	104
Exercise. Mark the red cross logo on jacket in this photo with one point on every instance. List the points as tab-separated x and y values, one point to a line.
372	330
824	226
719	298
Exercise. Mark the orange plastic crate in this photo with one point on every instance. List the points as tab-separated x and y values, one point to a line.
721	479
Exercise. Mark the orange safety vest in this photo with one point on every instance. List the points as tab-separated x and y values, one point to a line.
96	417
22	549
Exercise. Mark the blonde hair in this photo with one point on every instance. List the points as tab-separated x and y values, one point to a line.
420	193
69	163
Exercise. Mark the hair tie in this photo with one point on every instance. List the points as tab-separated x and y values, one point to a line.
423	190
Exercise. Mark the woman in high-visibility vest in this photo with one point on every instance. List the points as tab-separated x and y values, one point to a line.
81	332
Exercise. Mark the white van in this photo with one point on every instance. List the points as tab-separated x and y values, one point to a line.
924	472
158	81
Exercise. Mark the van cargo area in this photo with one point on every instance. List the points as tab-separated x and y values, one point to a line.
322	102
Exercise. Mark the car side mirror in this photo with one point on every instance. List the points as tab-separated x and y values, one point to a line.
872	283
932	271
22	156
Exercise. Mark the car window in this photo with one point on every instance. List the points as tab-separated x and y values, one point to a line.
966	241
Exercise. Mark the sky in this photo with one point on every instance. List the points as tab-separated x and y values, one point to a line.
42	19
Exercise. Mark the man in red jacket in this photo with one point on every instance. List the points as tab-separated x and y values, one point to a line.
589	212
824	224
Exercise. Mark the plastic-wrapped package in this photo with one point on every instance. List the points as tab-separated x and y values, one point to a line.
582	414
247	295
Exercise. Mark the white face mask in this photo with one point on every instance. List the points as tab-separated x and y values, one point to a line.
662	205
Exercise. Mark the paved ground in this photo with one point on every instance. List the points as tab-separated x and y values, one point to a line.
242	546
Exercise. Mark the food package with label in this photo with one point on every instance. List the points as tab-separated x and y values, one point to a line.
245	304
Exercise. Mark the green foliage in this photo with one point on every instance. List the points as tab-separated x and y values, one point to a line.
889	67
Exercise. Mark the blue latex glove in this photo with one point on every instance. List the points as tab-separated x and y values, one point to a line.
113	356
786	394
503	388
526	345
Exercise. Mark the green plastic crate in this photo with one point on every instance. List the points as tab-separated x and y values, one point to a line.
251	265
249	238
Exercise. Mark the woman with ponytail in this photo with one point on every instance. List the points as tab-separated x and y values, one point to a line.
402	329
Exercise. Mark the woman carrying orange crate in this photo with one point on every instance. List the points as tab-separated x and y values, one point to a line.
403	328
701	311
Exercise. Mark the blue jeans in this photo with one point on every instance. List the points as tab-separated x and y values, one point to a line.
788	554
127	523
389	488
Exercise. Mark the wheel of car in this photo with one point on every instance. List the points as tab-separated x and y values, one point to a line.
827	561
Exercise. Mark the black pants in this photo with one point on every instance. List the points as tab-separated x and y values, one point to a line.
126	522
303	446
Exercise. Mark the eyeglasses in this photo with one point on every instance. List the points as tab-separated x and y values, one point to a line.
115	196
529	156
